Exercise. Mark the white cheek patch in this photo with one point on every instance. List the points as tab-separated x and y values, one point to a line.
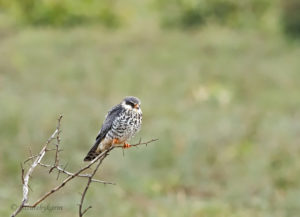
127	107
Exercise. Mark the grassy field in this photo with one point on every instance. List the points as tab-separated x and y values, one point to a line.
223	103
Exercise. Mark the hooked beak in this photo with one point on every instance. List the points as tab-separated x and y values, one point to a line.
136	106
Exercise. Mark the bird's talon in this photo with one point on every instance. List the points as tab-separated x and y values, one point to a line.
115	141
126	145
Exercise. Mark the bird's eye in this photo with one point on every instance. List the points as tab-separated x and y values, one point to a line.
130	103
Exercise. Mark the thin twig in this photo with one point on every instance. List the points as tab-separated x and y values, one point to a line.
81	213
30	158
62	170
22	175
137	144
56	161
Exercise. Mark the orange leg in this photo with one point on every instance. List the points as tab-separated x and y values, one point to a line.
115	141
126	145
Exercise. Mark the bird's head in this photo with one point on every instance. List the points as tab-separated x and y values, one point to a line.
131	103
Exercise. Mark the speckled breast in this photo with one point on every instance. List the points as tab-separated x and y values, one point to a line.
126	125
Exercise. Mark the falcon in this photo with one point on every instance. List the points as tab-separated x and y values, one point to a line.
121	123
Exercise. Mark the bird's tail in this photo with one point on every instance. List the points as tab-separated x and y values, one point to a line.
94	151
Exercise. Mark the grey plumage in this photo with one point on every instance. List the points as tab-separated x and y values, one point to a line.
106	126
109	119
121	123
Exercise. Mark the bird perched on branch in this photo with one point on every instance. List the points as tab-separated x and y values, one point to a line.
122	122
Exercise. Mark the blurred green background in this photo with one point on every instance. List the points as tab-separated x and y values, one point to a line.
219	82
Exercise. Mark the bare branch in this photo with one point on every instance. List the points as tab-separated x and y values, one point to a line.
30	158
36	161
62	170
56	161
69	178
81	213
22	174
105	154
137	144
